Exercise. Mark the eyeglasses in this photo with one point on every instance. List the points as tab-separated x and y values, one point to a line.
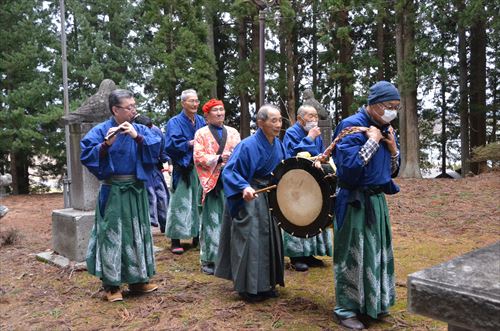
129	107
193	101
391	107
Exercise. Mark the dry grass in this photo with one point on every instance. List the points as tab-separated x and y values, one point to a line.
433	221
9	237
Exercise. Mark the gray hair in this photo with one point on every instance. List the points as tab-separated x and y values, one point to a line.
263	112
116	96
302	109
187	93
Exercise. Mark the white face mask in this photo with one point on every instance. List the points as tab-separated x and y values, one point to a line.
309	125
389	115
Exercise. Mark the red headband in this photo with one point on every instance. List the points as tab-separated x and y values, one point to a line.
210	104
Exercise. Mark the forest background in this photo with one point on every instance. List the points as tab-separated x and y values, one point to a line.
443	55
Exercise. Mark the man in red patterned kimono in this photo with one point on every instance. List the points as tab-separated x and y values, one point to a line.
213	144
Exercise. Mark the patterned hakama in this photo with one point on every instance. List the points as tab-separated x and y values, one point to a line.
213	210
183	216
121	246
319	245
364	263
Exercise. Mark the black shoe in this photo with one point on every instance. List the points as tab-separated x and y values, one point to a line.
298	264
207	268
252	298
383	316
196	240
313	262
351	323
270	294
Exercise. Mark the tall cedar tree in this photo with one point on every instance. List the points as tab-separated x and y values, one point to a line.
28	110
179	57
408	121
478	80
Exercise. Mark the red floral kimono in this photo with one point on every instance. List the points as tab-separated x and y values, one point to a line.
206	159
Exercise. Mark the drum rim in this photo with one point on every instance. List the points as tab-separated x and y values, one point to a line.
325	216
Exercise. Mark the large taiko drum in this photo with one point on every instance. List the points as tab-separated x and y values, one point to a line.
302	204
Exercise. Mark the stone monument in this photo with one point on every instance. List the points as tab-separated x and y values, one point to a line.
463	292
325	121
71	227
5	180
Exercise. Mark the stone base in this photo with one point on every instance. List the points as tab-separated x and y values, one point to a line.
71	232
63	262
60	261
464	292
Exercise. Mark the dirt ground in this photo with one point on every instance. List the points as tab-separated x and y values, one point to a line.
432	220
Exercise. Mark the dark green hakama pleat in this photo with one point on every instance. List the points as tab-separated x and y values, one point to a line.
251	249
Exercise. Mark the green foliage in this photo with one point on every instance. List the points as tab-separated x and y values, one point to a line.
159	48
178	55
29	106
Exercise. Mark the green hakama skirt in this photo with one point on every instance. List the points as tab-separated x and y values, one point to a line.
320	245
364	263
211	220
183	216
121	246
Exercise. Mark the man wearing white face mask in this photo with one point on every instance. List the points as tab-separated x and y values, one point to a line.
367	159
305	136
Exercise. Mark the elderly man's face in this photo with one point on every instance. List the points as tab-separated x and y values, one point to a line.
309	115
216	116
378	110
191	103
271	126
125	111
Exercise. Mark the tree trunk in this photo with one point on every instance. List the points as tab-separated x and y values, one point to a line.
345	54
408	120
243	56
254	58
211	46
463	92
493	137
443	116
282	75
380	44
290	77
220	73
478	87
314	64
19	165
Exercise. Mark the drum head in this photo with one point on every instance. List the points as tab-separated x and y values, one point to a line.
301	189
303	201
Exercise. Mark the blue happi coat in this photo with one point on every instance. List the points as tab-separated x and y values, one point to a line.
350	167
253	157
124	157
178	132
296	140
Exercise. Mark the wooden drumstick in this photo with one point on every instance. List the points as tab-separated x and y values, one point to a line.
269	188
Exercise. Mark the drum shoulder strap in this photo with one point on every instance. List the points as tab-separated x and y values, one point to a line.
347	131
220	140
